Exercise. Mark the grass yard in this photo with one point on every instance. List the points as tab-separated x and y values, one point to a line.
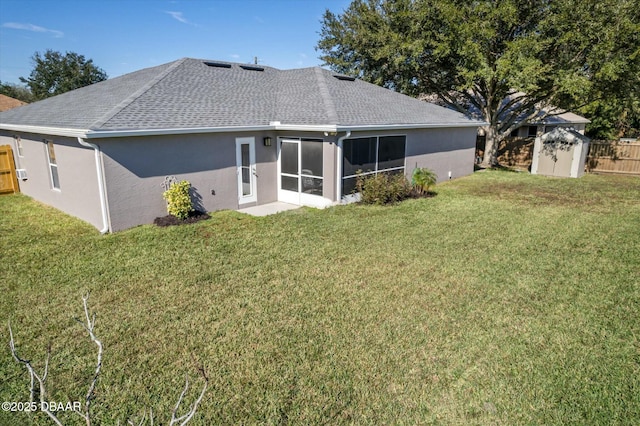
506	299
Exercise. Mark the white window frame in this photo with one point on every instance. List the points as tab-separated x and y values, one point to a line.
50	147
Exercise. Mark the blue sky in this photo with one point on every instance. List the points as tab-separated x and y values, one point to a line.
122	36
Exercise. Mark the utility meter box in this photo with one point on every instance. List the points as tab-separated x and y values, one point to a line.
561	152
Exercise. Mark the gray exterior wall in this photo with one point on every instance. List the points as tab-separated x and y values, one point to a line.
78	194
442	150
136	167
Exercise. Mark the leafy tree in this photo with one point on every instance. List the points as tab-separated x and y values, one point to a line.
55	73
502	61
16	91
613	118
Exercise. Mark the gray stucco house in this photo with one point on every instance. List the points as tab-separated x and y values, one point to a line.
243	135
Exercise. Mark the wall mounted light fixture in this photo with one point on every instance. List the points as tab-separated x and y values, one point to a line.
267	141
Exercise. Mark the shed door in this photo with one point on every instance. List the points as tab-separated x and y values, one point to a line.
564	158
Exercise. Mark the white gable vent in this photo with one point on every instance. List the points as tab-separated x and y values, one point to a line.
21	174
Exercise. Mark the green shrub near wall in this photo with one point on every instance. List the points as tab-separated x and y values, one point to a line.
178	199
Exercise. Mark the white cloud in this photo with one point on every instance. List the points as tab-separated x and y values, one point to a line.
31	27
235	56
179	17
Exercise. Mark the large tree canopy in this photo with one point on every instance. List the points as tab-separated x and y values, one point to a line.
15	91
55	73
504	61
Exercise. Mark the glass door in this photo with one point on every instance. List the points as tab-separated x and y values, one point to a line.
246	170
300	171
289	185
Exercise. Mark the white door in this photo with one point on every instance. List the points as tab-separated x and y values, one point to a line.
289	171
246	170
300	172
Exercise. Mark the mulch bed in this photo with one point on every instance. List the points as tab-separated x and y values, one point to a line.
169	220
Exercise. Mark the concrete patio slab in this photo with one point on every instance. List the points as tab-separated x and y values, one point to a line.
267	209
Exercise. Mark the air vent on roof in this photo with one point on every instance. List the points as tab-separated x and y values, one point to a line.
344	77
251	68
217	65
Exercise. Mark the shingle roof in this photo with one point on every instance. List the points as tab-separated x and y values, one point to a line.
188	93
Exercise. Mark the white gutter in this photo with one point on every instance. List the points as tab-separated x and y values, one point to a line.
339	165
272	126
411	126
101	185
43	130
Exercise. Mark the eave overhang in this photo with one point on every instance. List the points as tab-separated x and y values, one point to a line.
273	126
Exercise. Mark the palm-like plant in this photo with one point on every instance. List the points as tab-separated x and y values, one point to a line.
423	179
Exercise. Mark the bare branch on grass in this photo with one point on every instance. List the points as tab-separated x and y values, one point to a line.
89	324
35	377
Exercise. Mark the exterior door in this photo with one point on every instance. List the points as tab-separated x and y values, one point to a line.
289	162
246	163
300	172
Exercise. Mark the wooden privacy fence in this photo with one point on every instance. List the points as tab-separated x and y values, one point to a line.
603	157
8	180
614	157
512	152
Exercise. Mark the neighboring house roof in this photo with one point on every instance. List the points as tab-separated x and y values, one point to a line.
562	118
7	103
191	95
560	134
550	115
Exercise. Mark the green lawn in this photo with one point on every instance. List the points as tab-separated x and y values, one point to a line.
506	299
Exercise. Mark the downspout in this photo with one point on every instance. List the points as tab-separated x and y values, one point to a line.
339	165
101	185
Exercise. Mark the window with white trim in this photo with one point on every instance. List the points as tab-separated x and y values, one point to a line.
372	155
53	165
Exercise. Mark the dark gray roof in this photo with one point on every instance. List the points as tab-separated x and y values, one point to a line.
188	93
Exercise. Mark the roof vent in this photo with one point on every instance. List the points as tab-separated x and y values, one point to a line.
344	77
217	65
251	68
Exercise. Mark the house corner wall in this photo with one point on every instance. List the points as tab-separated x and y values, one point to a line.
78	194
449	152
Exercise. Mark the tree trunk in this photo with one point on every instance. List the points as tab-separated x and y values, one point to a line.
491	144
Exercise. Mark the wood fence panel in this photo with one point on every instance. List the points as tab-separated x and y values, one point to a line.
614	157
8	179
603	157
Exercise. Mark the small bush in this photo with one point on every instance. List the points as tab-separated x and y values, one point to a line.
423	179
178	199
382	188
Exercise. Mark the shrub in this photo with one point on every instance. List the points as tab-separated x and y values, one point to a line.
178	199
423	179
382	188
